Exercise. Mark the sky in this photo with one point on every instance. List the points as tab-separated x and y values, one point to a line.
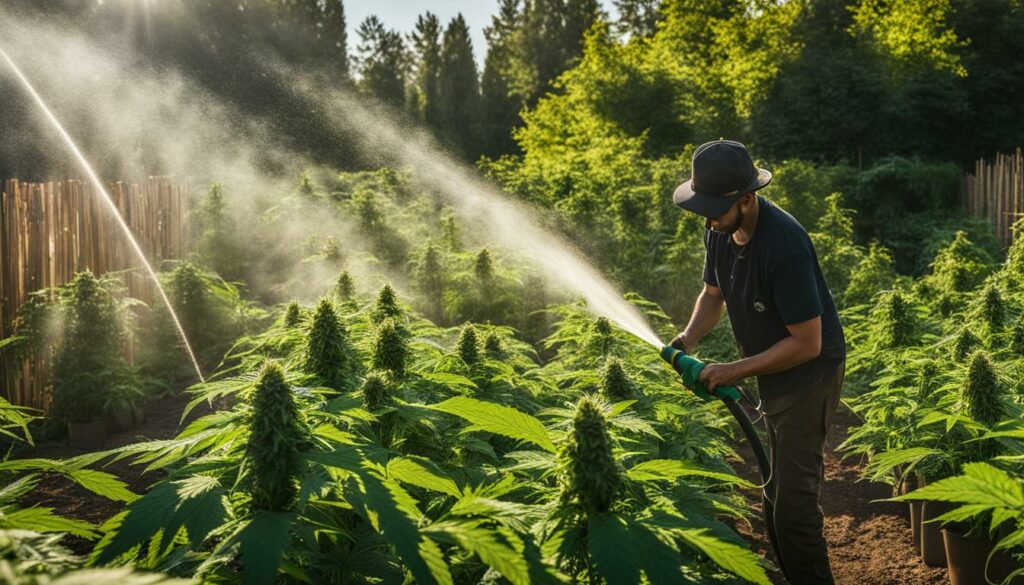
402	14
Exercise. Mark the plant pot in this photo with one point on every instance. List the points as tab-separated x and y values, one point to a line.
908	485
915	525
933	549
967	558
121	420
89	435
139	414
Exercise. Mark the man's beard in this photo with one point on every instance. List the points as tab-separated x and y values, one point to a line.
729	229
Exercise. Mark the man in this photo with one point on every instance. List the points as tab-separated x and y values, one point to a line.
761	264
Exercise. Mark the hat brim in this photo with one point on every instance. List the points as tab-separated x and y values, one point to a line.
712	206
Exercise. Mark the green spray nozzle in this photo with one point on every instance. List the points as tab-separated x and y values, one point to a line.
690	368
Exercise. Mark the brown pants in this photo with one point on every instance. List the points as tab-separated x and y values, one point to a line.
797	425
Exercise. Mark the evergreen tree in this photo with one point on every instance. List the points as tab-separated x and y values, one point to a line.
637	18
426	41
332	30
381	58
580	15
499	110
460	88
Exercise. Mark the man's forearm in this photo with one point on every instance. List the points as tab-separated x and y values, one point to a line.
707	311
786	353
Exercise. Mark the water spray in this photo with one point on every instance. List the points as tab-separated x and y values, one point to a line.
690	368
109	201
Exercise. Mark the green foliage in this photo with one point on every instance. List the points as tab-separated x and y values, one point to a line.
965	343
874	272
959	267
276	438
834	244
89	363
391	348
329	355
894	321
381	61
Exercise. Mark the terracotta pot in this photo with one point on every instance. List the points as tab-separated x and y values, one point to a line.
933	549
967	558
88	435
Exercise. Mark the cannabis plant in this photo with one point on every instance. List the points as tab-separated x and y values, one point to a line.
983	394
964	344
329	355
344	288
89	359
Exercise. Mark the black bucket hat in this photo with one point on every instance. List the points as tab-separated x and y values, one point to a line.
722	172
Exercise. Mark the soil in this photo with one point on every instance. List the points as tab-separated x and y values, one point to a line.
72	501
869	541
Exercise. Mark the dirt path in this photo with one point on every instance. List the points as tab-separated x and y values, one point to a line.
869	542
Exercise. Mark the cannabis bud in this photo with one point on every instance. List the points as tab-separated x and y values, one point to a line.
329	356
615	383
593	475
292	314
387	306
390	348
277	435
468	347
982	391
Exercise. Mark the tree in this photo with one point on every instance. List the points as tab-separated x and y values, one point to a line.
426	40
460	89
331	28
637	18
499	109
381	59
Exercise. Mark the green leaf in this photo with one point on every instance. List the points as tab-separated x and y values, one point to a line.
116	576
620	548
669	469
498	419
44	520
103	484
500	550
393	512
733	558
263	541
423	473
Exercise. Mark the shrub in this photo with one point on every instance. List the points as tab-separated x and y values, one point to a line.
276	438
875	272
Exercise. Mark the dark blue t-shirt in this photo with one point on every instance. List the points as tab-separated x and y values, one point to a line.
772	281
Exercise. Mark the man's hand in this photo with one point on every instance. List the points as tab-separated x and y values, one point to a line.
714	375
680	342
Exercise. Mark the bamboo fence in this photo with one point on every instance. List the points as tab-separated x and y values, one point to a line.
995	190
50	231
